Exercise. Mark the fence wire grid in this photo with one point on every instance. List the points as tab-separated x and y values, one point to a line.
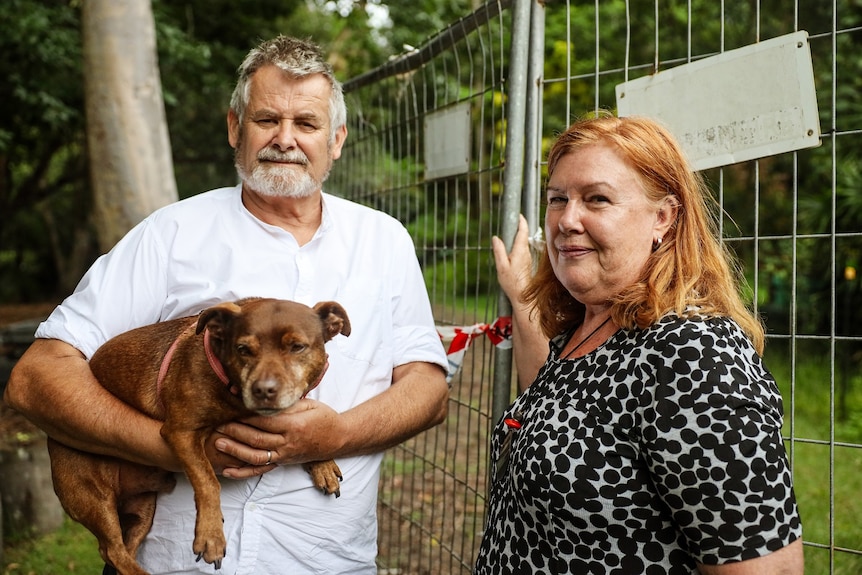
523	70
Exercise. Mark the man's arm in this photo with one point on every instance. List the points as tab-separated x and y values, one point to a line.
418	399
786	561
52	385
311	431
529	344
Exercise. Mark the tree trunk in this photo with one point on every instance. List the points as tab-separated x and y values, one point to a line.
127	135
30	506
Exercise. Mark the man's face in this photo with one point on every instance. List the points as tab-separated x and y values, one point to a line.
283	148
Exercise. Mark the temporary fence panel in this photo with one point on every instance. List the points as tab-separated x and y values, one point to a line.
427	144
450	139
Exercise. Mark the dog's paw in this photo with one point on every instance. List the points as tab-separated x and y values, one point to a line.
326	476
216	564
210	548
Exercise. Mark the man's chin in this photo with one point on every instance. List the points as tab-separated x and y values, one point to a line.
278	185
270	190
277	193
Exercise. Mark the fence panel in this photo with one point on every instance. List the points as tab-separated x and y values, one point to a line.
432	488
794	221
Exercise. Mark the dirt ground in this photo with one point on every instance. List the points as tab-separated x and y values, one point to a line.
11	313
431	506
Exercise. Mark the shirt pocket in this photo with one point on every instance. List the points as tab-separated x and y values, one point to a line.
364	300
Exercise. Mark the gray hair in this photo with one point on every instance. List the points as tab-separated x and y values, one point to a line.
297	58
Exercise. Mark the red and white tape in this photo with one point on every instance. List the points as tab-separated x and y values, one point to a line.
460	339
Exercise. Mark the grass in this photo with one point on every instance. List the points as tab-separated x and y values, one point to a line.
70	549
827	479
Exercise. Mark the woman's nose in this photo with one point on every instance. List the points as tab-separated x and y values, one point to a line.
570	217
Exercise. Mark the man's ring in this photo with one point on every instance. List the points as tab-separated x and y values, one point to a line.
268	457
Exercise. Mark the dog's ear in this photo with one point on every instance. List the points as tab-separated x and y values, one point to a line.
214	317
334	319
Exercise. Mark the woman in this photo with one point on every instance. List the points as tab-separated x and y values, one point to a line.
650	441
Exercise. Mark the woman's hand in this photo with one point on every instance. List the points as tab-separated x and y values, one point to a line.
514	268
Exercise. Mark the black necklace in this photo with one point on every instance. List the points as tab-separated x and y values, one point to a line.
583	341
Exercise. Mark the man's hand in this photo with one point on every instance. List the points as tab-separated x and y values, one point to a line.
222	461
307	431
312	431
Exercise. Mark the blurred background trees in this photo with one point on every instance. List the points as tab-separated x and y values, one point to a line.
47	228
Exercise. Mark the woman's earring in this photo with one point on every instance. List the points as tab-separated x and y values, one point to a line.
656	244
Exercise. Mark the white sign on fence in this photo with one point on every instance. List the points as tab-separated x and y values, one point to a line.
739	105
447	141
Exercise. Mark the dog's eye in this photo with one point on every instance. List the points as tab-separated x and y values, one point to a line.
297	348
243	350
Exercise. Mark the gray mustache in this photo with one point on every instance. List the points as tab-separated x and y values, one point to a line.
268	154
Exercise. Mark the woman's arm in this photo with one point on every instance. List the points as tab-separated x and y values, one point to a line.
786	561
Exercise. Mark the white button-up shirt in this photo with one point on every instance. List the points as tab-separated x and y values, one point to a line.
209	249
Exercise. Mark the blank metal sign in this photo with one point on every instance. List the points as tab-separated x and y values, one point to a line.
739	105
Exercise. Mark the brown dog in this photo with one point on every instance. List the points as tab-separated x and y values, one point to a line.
187	372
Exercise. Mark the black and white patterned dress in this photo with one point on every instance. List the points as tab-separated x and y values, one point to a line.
660	449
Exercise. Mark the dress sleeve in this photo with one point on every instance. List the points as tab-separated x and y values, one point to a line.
711	434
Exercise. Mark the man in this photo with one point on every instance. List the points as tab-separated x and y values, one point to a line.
275	235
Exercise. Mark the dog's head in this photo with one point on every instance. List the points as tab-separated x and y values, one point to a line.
273	350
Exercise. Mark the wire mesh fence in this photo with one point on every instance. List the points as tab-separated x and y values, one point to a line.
431	504
794	220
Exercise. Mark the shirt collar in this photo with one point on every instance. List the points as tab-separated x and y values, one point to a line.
325	217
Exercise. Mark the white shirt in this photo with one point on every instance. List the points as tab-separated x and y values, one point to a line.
209	249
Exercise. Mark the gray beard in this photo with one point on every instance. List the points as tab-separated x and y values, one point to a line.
279	181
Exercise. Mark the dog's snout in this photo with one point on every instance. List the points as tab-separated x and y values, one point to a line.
265	389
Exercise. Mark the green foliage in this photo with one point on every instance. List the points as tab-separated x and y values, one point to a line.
41	142
343	28
415	21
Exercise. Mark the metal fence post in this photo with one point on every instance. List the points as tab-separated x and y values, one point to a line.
516	95
533	149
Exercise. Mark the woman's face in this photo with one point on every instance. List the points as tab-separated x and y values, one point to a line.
599	225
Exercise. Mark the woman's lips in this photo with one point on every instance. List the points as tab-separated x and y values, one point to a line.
573	250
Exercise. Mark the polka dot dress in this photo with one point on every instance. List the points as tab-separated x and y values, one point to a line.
659	450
